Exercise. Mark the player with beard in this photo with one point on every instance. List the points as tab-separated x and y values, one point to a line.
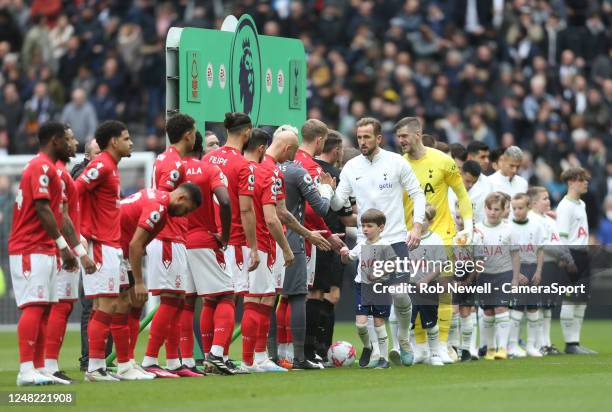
67	282
167	259
213	283
377	179
34	241
99	195
436	173
241	253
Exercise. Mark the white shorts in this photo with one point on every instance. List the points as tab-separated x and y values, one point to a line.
278	269
68	285
34	278
311	264
236	258
207	268
106	280
166	267
262	280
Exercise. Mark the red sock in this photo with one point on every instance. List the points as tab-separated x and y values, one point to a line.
160	325
41	339
224	319
281	321
263	328
186	326
28	328
288	324
174	334
56	328
249	325
99	326
207	324
121	336
134	325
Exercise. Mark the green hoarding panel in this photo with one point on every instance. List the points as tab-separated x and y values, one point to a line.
221	71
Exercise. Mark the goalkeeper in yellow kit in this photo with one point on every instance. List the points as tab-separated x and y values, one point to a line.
436	172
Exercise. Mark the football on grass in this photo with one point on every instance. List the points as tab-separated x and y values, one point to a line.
341	354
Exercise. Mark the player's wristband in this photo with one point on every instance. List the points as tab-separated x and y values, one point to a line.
80	250
61	243
326	191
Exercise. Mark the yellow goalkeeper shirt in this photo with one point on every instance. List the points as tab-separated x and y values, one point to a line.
437	172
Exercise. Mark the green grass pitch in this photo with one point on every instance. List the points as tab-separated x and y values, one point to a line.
553	383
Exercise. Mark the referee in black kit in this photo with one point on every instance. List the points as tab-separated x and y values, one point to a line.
329	268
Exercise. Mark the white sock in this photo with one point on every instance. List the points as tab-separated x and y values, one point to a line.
403	313
484	341
502	330
260	357
216	350
372	335
578	319
546	320
26	367
394	326
567	322
516	316
453	332
364	335
51	365
173	363
123	366
540	335
532	329
467	330
282	350
189	362
383	340
433	339
289	352
474	340
225	358
149	361
488	331
95	364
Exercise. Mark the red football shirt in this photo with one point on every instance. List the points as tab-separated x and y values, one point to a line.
71	196
265	194
99	191
147	209
39	180
241	182
168	174
202	222
312	221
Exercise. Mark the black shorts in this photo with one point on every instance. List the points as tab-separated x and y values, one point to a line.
496	297
552	273
522	301
328	271
582	276
377	311
464	299
429	315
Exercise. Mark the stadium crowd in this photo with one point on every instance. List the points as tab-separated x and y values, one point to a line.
532	73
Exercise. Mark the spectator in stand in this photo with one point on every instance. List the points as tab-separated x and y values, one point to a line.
81	116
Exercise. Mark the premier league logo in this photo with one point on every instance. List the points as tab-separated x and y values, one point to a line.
245	72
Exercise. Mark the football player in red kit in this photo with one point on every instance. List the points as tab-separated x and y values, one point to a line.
33	244
99	195
143	215
167	256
